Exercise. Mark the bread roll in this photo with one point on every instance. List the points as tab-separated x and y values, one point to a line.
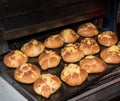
47	84
33	48
89	46
111	55
107	38
93	64
27	73
15	58
69	35
71	53
87	30
49	59
73	75
54	41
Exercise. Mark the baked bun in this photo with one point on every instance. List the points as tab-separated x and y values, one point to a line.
107	38
27	73
49	59
46	85
69	35
54	41
15	58
73	75
111	54
87	30
89	46
33	48
92	64
71	53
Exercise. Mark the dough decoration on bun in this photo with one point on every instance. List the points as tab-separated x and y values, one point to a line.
49	59
33	48
71	53
107	38
69	35
47	84
92	64
27	73
15	58
111	54
73	75
54	41
87	30
89	46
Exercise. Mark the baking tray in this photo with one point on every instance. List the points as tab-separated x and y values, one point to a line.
65	92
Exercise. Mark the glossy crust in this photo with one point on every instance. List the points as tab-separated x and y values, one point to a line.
107	38
46	85
69	35
73	75
49	59
27	73
71	53
33	48
15	58
54	41
92	64
87	30
111	55
89	46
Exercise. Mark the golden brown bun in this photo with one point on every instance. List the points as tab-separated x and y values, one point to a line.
33	48
111	54
15	58
93	64
46	85
54	41
87	30
49	59
69	35
71	53
73	75
107	38
27	73
89	46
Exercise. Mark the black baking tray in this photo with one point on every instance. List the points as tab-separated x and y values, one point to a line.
65	92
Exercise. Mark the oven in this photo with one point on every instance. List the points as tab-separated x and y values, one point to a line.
21	21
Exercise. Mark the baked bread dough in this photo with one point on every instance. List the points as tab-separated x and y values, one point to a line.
27	73
73	75
47	84
111	54
54	41
33	48
87	30
107	38
49	59
89	46
69	35
71	53
15	58
92	64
